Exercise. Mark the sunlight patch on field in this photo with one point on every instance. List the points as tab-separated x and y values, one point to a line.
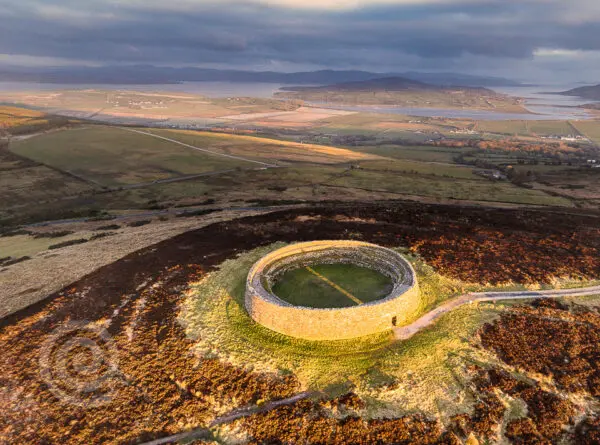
265	148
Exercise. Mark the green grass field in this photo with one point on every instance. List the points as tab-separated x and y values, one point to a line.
504	127
421	168
114	157
590	129
443	187
262	148
416	153
302	287
549	128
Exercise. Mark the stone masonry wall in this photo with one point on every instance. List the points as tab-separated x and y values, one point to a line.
336	323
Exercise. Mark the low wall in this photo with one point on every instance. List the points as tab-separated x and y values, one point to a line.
336	323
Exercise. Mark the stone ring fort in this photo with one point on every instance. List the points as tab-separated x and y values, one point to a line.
398	307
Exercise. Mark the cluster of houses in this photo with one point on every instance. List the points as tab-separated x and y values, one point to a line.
568	138
128	101
496	175
464	131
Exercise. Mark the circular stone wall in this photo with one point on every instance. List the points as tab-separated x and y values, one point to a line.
396	309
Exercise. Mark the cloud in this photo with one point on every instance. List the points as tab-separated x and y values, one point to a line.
379	35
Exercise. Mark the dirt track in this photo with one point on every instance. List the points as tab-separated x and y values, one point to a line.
405	332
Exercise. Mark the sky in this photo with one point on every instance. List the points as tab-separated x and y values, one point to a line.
552	41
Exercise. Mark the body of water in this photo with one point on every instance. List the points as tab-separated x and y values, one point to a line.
538	100
543	106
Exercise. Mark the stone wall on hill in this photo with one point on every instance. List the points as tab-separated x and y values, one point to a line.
397	309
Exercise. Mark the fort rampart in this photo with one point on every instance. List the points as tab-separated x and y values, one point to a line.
396	309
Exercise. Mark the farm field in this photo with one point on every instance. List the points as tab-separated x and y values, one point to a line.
264	148
14	117
143	105
18	121
590	129
37	183
73	174
113	157
527	128
415	153
311	287
551	128
23	180
420	168
504	127
311	182
440	187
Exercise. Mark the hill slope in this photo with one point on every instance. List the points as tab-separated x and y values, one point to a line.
403	92
148	74
381	84
389	84
590	92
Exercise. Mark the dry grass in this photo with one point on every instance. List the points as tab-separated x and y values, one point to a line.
14	117
37	183
47	272
264	148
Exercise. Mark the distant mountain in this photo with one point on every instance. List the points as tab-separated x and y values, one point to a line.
381	84
389	84
589	92
148	74
446	79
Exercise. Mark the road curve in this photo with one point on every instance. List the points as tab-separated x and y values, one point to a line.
406	332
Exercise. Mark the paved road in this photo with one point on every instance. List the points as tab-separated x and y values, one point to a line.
406	332
175	141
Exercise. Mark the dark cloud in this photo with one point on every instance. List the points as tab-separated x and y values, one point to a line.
246	33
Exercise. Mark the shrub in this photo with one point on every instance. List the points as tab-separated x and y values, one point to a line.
109	227
72	242
15	232
103	217
9	261
58	234
139	223
102	235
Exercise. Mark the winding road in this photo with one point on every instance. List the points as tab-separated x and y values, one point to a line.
406	332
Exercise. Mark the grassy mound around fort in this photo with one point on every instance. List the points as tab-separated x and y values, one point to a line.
420	374
332	286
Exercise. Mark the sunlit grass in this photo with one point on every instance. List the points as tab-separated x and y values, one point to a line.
397	377
423	374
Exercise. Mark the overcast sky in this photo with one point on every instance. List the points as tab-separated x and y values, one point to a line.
531	40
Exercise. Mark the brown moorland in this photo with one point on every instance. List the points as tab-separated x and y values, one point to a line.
163	389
